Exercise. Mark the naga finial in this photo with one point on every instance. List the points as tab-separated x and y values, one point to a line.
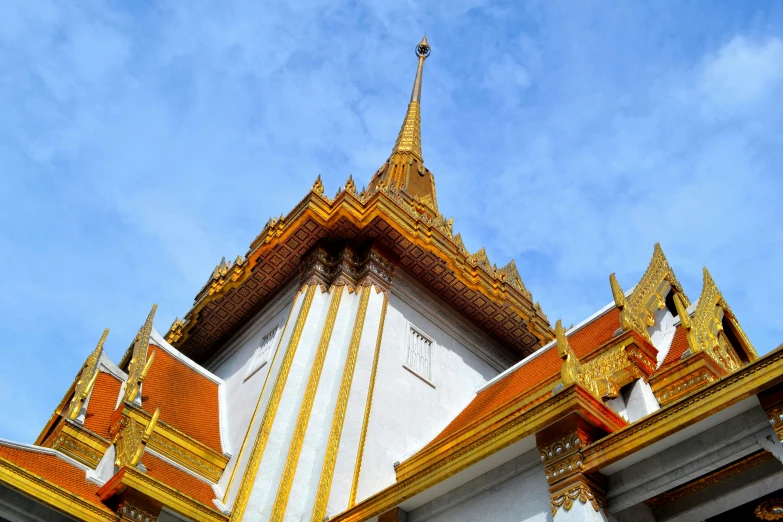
569	368
139	364
86	380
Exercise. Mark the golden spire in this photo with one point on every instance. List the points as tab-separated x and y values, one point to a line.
409	139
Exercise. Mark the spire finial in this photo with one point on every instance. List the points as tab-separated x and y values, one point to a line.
409	139
404	170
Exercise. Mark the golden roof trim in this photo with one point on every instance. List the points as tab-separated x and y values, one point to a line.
760	374
399	211
445	462
50	494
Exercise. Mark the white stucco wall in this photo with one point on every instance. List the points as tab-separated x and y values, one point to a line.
408	412
517	491
342	477
241	395
278	442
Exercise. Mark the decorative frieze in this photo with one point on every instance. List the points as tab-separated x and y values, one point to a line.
581	489
129	511
76	442
616	365
173	444
130	439
560	449
347	268
684	378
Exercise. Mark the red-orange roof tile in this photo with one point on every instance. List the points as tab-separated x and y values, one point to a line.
678	347
177	479
187	399
533	375
103	401
55	470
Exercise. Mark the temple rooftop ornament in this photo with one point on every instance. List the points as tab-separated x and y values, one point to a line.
360	363
404	171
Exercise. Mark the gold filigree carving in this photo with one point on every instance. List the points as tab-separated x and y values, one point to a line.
577	492
130	440
74	441
513	278
297	439
87	379
175	330
631	318
367	407
605	374
133	513
350	186
325	483
649	295
570	367
318	186
705	330
771	509
139	364
482	260
563	446
684	385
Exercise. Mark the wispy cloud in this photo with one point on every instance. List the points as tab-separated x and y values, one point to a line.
139	144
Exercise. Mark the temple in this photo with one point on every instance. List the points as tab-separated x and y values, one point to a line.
360	363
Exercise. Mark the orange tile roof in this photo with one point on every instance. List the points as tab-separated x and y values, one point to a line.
187	399
55	470
177	479
103	401
532	376
678	347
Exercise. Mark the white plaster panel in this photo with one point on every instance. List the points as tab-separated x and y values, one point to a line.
580	513
311	458
342	478
242	396
407	412
662	333
640	401
522	498
279	438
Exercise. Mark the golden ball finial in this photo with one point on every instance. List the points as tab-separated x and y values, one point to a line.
423	48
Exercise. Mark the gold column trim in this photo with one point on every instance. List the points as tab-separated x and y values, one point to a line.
368	406
258	406
338	420
287	479
249	477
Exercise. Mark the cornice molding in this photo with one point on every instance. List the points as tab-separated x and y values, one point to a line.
489	299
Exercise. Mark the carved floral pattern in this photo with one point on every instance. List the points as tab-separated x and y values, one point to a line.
578	492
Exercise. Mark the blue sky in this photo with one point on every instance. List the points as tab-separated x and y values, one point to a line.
141	142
